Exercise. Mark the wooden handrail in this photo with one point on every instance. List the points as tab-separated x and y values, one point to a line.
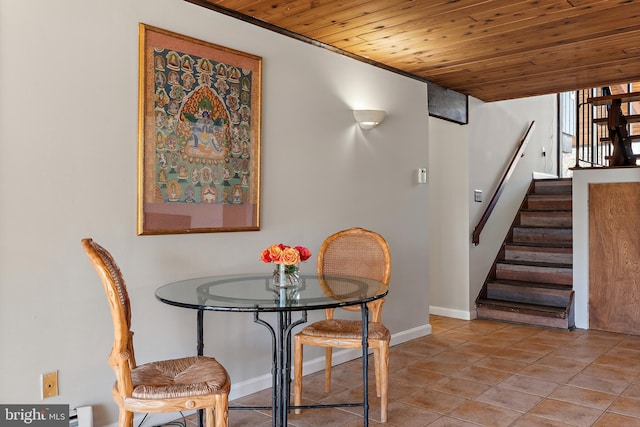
503	183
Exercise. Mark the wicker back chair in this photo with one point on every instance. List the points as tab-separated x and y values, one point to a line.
165	386
361	253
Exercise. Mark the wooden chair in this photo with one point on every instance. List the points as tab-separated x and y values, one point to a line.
354	252
165	386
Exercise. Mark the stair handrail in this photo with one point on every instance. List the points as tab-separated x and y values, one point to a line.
503	183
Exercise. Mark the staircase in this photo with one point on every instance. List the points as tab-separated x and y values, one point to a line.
531	281
620	134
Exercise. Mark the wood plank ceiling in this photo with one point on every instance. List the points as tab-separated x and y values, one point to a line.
490	49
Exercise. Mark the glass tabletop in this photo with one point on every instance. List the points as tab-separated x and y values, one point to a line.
257	292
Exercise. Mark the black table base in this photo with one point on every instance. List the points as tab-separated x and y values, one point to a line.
281	366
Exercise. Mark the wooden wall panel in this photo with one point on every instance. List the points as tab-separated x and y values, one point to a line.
614	257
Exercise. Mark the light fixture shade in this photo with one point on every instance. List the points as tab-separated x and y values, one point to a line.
368	119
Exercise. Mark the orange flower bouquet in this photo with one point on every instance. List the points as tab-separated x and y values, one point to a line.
287	259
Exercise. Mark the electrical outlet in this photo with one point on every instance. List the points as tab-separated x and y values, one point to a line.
49	384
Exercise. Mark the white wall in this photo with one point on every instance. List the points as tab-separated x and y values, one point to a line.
463	159
68	170
449	215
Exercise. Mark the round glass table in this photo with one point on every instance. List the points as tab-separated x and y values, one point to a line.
257	293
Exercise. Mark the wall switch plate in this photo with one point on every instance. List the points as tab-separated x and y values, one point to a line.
477	195
422	176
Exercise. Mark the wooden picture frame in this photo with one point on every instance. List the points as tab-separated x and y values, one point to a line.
199	136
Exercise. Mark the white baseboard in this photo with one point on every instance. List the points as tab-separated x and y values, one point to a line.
455	314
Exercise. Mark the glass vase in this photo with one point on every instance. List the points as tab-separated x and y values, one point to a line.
286	276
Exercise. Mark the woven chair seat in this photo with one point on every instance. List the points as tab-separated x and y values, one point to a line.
188	376
345	329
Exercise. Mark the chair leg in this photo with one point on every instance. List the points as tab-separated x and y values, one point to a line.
210	416
221	413
384	380
376	360
125	418
327	369
297	373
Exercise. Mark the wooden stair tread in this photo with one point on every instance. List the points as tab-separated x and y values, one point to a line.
530	308
606	100
547	245
634	118
551	228
533	263
546	211
633	138
530	284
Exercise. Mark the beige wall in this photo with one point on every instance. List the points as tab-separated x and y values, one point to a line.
68	170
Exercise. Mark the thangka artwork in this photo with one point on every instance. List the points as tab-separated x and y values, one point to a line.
203	120
206	121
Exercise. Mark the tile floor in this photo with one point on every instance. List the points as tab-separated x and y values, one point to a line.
484	373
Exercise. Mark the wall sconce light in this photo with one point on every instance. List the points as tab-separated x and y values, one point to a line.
368	119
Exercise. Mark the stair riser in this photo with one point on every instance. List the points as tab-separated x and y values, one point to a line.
546	219
549	202
543	236
549	322
529	295
526	273
552	187
519	253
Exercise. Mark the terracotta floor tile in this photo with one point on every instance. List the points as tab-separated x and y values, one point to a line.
621	357
614	372
548	373
402	415
500	364
446	421
582	396
442	367
571	365
413	375
599	384
453	356
518	355
459	387
599	338
581	352
529	420
569	413
474	348
615	420
434	401
529	385
481	373
509	399
485	414
633	391
626	406
631	342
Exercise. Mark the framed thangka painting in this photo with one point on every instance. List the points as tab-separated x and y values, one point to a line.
199	136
